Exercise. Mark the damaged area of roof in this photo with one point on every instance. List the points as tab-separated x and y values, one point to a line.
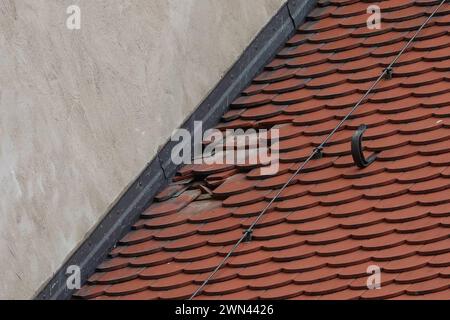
334	221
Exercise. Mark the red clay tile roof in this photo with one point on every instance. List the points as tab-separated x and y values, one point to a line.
326	229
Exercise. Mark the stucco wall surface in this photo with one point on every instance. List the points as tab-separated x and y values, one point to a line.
83	111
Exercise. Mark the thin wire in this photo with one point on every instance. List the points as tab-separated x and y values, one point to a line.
314	153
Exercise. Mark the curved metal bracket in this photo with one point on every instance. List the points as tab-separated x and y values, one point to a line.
357	149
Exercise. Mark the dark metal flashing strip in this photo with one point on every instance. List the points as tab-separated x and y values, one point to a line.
158	172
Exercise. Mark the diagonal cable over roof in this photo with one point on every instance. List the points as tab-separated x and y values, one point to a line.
318	150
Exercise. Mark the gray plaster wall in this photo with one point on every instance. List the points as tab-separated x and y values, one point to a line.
83	111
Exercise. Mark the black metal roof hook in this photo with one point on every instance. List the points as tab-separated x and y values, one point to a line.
357	149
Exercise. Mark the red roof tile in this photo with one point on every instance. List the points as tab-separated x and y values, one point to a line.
335	220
